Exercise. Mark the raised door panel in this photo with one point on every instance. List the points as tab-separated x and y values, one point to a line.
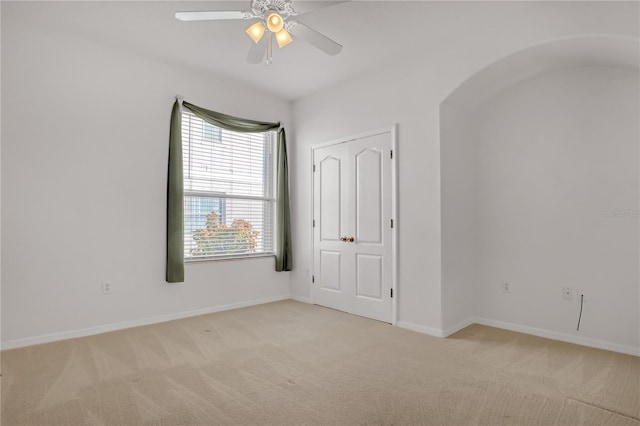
368	200
330	270
330	181
369	276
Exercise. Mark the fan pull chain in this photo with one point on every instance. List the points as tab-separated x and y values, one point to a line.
269	48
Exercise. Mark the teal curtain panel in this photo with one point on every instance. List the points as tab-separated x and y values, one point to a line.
175	209
284	258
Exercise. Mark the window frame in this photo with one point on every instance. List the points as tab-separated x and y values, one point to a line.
269	186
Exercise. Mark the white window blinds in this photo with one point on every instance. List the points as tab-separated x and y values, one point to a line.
229	191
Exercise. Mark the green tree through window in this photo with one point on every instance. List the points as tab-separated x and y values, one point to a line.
217	238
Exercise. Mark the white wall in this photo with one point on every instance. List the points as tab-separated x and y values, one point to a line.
84	169
459	171
409	93
540	169
0	195
555	153
51	277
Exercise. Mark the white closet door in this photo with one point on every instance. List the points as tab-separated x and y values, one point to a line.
352	233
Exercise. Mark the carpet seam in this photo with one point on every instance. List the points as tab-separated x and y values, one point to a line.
604	408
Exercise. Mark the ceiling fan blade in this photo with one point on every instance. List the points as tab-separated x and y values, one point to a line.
257	51
211	15
314	38
305	8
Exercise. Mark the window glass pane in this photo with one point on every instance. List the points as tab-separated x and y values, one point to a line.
223	227
225	161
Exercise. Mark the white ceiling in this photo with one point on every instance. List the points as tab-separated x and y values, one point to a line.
374	34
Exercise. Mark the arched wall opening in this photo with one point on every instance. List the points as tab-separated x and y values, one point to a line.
540	192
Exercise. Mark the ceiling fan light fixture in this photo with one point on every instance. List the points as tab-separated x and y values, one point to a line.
275	23
276	16
283	38
256	31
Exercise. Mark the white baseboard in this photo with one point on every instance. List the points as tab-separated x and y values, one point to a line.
72	334
420	328
459	326
46	338
593	343
306	300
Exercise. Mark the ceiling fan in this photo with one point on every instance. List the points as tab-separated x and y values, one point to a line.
273	17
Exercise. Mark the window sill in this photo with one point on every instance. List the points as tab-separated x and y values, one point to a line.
234	257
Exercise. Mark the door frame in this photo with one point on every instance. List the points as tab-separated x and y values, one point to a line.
393	131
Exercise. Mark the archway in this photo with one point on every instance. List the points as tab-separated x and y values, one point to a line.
532	149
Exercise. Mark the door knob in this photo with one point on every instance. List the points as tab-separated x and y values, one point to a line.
350	239
343	238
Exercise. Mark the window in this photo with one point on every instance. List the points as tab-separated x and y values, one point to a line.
229	191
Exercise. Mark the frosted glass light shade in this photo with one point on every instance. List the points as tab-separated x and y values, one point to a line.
256	31
283	38
275	22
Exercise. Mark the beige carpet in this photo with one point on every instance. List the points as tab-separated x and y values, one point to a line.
289	363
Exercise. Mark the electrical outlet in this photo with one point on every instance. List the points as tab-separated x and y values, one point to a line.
506	288
567	293
106	287
579	293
